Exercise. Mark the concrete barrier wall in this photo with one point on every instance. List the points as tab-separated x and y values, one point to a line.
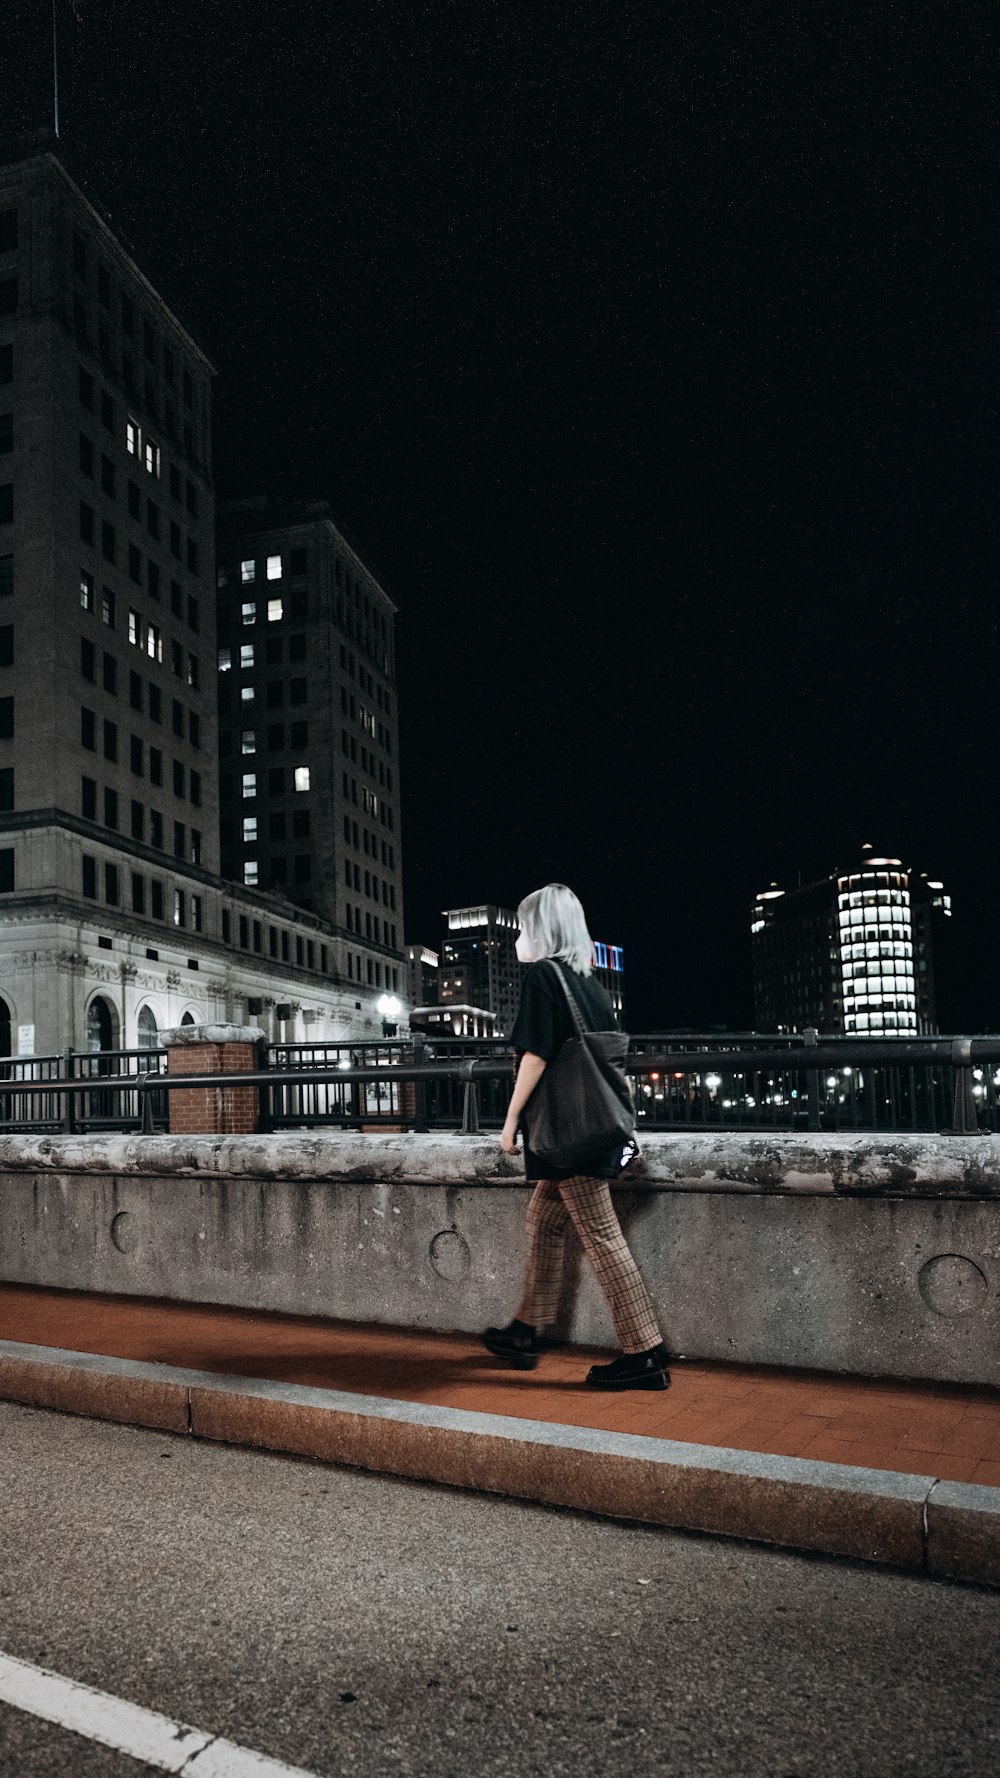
873	1255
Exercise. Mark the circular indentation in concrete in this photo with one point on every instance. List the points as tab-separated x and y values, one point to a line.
123	1232
952	1285
449	1254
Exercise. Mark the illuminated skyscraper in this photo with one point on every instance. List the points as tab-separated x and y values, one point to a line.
852	953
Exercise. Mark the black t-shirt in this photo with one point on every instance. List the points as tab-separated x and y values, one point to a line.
544	1022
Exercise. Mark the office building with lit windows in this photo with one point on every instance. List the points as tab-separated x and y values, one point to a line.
609	968
479	967
853	953
116	918
308	729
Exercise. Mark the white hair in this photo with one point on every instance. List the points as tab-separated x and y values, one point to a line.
555	925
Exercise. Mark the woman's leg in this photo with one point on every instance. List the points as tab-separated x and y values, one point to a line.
548	1220
588	1202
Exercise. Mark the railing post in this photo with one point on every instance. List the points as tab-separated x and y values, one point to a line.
810	1038
265	1122
69	1118
419	1090
964	1118
146	1125
470	1109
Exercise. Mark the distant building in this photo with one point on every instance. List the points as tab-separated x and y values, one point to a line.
308	728
479	966
454	1021
420	976
609	968
852	953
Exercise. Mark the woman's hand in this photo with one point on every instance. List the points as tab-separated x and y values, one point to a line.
508	1137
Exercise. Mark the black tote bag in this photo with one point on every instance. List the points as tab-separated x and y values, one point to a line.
581	1109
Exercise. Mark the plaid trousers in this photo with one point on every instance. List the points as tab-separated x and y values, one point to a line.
587	1204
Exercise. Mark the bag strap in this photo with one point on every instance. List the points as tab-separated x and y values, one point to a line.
571	997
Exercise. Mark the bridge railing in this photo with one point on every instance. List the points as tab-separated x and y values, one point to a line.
904	1084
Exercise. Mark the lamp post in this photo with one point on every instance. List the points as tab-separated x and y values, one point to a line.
390	1009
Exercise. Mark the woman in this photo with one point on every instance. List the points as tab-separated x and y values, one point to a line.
553	926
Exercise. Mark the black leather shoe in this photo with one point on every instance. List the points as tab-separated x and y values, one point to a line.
517	1344
633	1370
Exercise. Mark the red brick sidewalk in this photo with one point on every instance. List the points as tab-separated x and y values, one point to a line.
947	1431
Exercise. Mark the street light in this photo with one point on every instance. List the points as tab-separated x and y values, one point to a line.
390	1009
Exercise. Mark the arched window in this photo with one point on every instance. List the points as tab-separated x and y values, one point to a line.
100	1026
146	1030
188	1019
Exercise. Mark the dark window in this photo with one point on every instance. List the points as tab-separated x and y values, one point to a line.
300	823
272	651
297	648
86	522
257	935
110	740
135	564
155	766
152	518
86	456
135	755
8	231
195	847
90	877
148	340
134	501
128	314
298	696
177	666
6	364
177	709
88	799
178	839
153	579
108	544
111	884
303	868
275	737
192	555
138	821
111	674
196	789
175	540
176	598
300	734
276	825
298	561
7	433
191	494
227	927
107	411
6	789
155	703
188	389
192	611
175	482
88	657
244	931
108	607
279	870
86	384
178	778
107	477
276	781
156	829
111	808
6	503
138	894
156	900
275	695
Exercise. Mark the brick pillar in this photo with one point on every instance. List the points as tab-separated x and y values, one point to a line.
213	1049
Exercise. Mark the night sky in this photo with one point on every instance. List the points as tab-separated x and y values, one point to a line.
649	351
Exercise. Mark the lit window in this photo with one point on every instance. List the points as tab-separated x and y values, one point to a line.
246	694
249	784
249	612
154	643
151	458
274	611
250	871
248	741
248	571
86	590
249	828
134	632
225	660
246	654
133	438
274	567
302	777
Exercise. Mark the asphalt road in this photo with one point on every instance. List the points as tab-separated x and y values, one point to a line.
355	1624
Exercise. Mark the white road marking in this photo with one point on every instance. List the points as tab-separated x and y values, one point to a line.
143	1734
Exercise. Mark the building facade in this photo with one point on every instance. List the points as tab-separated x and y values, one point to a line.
308	730
479	967
853	953
609	968
116	918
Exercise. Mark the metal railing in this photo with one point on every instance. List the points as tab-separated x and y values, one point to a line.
840	1084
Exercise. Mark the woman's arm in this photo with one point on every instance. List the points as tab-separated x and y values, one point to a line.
529	1074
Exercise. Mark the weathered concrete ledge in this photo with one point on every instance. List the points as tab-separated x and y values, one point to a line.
907	1521
870	1255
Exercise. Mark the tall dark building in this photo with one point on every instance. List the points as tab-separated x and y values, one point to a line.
116	918
852	953
308	728
479	966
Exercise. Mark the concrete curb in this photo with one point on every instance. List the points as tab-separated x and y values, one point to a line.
906	1521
